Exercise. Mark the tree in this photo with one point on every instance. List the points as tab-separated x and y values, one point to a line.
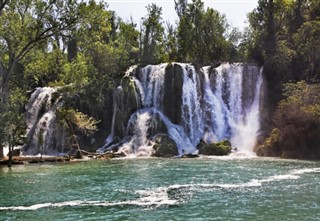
25	25
12	128
152	41
307	44
180	7
297	120
72	119
171	43
201	34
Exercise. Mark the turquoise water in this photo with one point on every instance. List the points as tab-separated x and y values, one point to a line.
163	189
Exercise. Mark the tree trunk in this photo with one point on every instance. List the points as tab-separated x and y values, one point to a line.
4	89
75	143
10	152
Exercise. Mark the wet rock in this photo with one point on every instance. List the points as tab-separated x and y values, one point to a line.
172	98
164	146
189	155
217	149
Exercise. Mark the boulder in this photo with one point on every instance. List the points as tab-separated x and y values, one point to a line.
217	149
190	155
164	146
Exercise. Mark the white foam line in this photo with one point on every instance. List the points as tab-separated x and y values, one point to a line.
160	196
307	170
145	201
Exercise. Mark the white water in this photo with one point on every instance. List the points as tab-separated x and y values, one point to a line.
161	195
41	123
224	106
230	117
191	107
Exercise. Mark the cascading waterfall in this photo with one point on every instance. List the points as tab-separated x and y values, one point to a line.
191	109
230	117
213	104
42	133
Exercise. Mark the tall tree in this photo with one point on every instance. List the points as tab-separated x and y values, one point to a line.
201	34
24	26
152	36
180	7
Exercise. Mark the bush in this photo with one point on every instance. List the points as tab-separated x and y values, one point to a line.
298	120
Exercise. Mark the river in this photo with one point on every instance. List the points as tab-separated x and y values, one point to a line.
219	188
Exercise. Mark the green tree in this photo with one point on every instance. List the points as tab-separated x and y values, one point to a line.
12	128
180	7
307	44
25	25
297	120
74	120
201	34
152	36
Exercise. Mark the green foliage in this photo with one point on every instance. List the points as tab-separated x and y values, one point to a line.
152	36
298	122
201	34
272	145
307	44
79	120
12	127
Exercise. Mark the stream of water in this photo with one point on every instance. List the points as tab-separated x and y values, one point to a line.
213	188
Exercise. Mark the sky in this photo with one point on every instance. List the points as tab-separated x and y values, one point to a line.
235	10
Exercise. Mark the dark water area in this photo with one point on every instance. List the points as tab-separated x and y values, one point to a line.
219	188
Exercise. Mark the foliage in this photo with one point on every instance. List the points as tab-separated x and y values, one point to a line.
12	129
152	33
298	121
201	34
81	121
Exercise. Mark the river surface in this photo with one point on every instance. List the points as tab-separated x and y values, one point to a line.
222	188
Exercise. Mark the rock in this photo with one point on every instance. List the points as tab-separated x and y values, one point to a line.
126	103
217	149
201	144
164	146
172	99
190	155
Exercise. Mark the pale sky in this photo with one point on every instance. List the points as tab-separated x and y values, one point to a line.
235	10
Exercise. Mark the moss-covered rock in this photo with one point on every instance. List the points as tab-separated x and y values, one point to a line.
164	146
271	146
217	149
126	103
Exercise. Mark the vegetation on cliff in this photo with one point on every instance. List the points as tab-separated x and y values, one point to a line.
297	122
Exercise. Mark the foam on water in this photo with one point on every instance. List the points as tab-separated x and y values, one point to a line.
164	196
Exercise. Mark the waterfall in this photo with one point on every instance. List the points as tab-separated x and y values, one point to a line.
190	105
233	104
191	108
43	133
